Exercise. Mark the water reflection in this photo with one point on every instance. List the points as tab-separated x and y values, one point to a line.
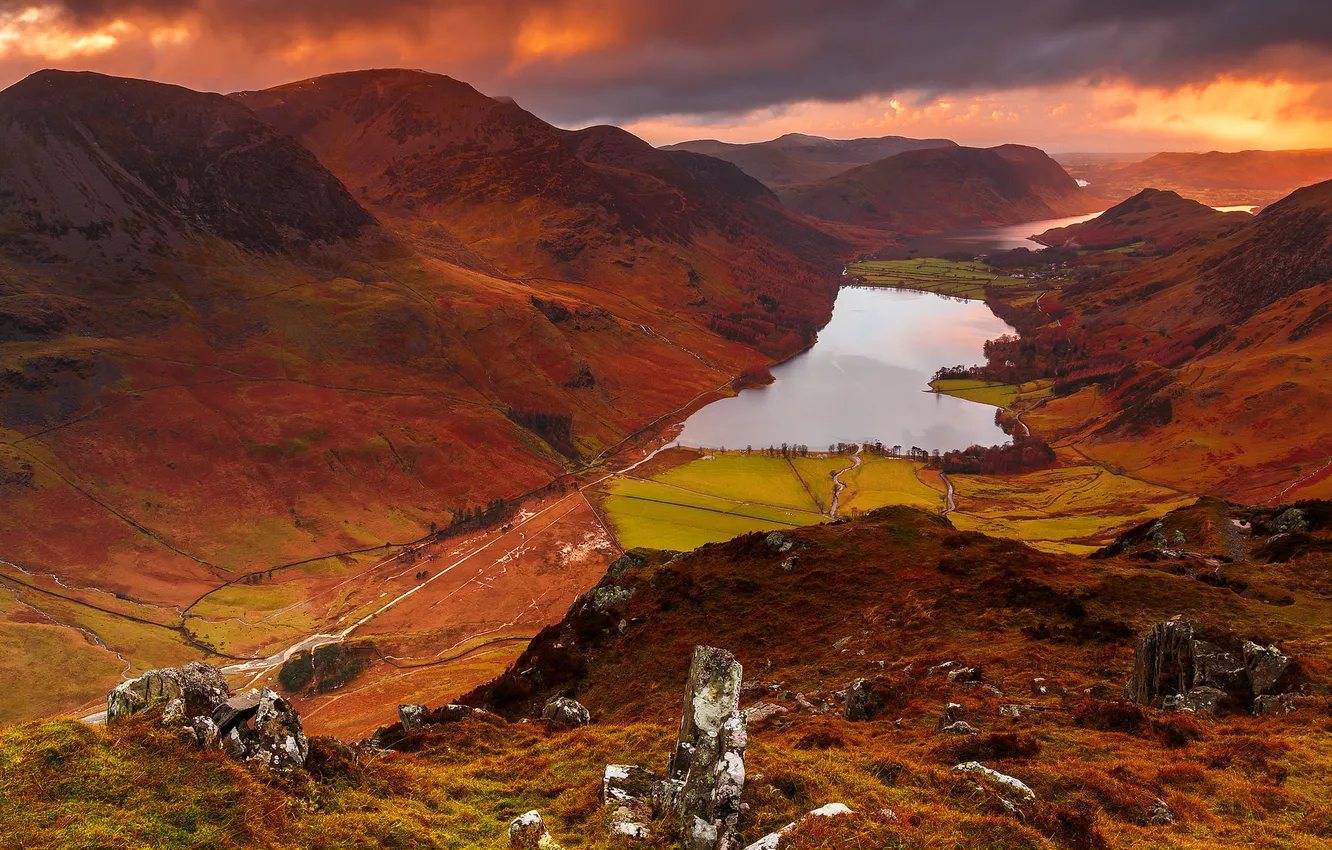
866	379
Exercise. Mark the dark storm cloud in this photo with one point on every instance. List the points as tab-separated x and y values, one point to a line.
694	56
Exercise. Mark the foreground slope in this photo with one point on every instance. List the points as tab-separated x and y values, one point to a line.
230	391
795	158
938	189
898	598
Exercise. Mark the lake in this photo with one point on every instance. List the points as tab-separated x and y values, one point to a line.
866	379
980	240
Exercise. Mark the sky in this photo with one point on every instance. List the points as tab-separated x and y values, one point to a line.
1085	75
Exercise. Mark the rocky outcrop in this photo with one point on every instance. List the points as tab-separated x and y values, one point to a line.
415	718
1159	814
256	726
953	721
1176	669
1002	786
1268	670
856	706
566	712
528	832
773	840
198	686
631	790
708	762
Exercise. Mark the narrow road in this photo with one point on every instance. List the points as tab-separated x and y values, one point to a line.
1298	481
950	504
838	485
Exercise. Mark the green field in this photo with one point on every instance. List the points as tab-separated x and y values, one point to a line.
1073	509
946	277
995	395
882	481
711	500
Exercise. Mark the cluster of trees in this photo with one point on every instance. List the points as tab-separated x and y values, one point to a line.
495	510
1024	454
752	376
555	428
328	668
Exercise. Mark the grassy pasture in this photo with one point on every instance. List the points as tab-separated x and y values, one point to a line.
995	395
945	277
1072	509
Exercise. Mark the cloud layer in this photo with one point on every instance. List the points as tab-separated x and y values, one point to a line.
577	60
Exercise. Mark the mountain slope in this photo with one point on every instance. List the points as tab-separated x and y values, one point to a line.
943	188
233	396
1032	650
596	207
1217	178
1204	368
1162	219
795	159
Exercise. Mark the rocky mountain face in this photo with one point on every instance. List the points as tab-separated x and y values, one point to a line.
117	169
795	158
943	188
1155	220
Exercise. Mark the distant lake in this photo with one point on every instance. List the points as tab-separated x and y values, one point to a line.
867	378
979	240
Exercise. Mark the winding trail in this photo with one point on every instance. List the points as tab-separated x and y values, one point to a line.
1298	481
950	504
839	485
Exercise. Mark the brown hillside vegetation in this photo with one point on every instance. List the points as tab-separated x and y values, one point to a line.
796	158
1218	178
218	360
898	598
938	189
1207	369
1161	220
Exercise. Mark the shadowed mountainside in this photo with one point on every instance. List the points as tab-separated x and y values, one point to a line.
795	158
943	188
1161	219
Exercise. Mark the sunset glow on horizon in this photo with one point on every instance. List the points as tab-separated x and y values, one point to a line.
675	76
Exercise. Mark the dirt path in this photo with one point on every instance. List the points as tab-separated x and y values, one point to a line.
950	504
1298	481
838	485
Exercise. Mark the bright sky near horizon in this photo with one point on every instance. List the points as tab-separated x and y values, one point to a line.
1136	75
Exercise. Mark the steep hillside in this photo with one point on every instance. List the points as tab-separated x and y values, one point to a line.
881	658
596	208
943	188
1205	369
796	159
235	401
1217	178
1160	220
102	169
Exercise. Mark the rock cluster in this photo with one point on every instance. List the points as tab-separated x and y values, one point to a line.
256	726
773	840
566	712
1175	668
706	771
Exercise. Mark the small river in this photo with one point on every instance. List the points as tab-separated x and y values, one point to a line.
867	378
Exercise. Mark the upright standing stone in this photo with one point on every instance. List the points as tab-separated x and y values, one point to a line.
709	755
1163	661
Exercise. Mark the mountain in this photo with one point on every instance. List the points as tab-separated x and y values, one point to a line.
1216	178
238	371
983	707
796	159
598	207
106	169
1203	366
1161	219
943	188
